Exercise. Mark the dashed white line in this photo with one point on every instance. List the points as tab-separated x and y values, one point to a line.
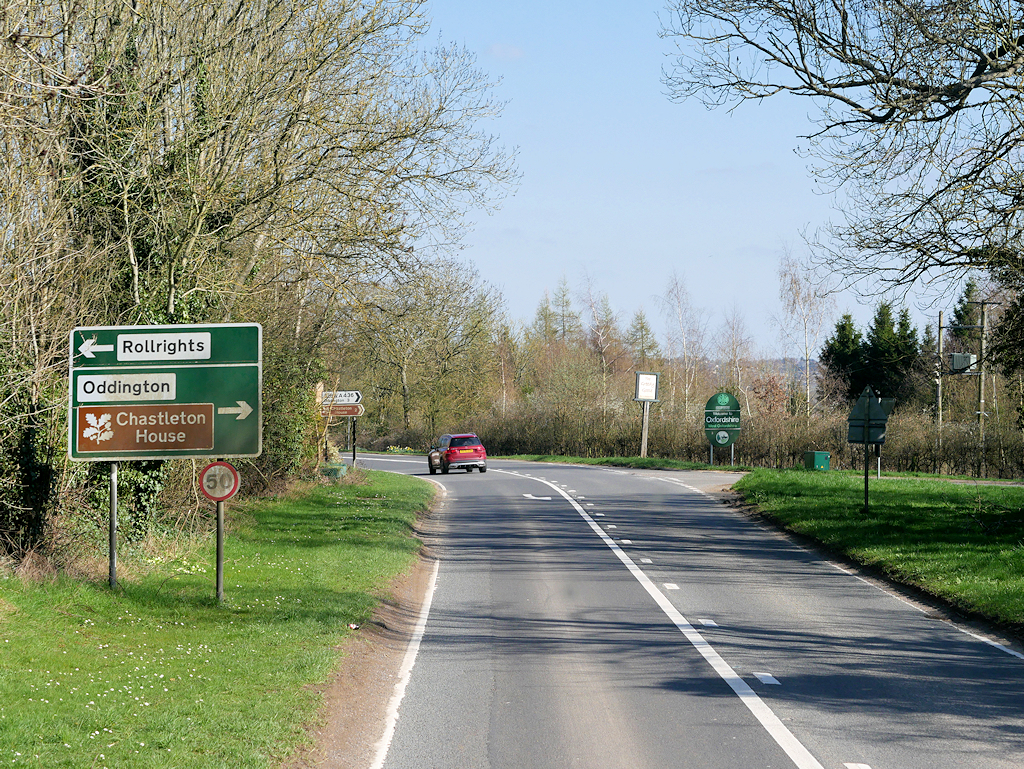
709	623
671	586
626	541
798	754
646	560
768	679
857	766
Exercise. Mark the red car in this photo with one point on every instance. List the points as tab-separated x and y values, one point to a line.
461	451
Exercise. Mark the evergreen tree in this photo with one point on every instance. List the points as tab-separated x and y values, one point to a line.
966	314
843	356
569	326
641	342
891	353
545	322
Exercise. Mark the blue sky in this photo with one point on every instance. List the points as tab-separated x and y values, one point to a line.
620	184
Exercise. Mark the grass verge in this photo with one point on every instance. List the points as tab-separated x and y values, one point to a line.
963	543
157	674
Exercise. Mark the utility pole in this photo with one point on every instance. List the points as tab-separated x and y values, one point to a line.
938	396
981	386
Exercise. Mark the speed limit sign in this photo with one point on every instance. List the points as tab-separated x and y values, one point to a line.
219	481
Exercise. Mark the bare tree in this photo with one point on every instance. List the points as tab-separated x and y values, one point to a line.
920	118
687	334
604	336
735	352
807	309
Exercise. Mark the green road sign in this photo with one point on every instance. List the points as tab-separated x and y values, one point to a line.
158	392
722	420
869	412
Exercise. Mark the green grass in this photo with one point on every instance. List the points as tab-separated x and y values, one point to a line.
961	542
157	674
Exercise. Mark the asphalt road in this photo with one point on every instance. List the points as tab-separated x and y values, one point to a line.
602	618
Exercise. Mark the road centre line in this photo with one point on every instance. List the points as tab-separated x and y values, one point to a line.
793	748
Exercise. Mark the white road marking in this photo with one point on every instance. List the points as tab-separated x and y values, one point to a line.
599	515
771	723
671	586
646	560
709	623
767	678
989	641
371	458
857	766
405	673
965	631
611	526
543	499
626	541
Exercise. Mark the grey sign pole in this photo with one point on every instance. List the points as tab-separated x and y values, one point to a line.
220	552
112	538
866	449
643	429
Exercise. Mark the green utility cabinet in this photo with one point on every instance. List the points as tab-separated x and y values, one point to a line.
816	460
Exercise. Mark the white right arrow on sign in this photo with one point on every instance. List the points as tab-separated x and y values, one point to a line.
243	410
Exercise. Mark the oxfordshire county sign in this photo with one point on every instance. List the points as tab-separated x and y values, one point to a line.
157	392
722	420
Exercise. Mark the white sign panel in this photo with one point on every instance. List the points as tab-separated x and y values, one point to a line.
183	346
646	386
341	397
119	388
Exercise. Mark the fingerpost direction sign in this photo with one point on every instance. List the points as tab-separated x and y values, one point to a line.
160	392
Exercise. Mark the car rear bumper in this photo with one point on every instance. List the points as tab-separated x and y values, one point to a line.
468	463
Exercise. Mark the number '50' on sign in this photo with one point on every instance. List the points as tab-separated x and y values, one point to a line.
219	481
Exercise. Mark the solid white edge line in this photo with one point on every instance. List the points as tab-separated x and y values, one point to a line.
800	756
837	567
404	674
375	458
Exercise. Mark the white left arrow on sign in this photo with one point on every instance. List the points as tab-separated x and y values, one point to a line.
89	348
243	410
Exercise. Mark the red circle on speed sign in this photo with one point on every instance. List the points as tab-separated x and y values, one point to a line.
219	481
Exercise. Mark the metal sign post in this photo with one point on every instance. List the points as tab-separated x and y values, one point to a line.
219	482
867	423
112	535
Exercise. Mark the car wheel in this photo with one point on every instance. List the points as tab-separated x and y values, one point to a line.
433	470
483	469
444	468
469	469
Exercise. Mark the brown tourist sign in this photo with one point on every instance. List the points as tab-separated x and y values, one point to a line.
135	428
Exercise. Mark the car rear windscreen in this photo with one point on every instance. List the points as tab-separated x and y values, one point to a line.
465	441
